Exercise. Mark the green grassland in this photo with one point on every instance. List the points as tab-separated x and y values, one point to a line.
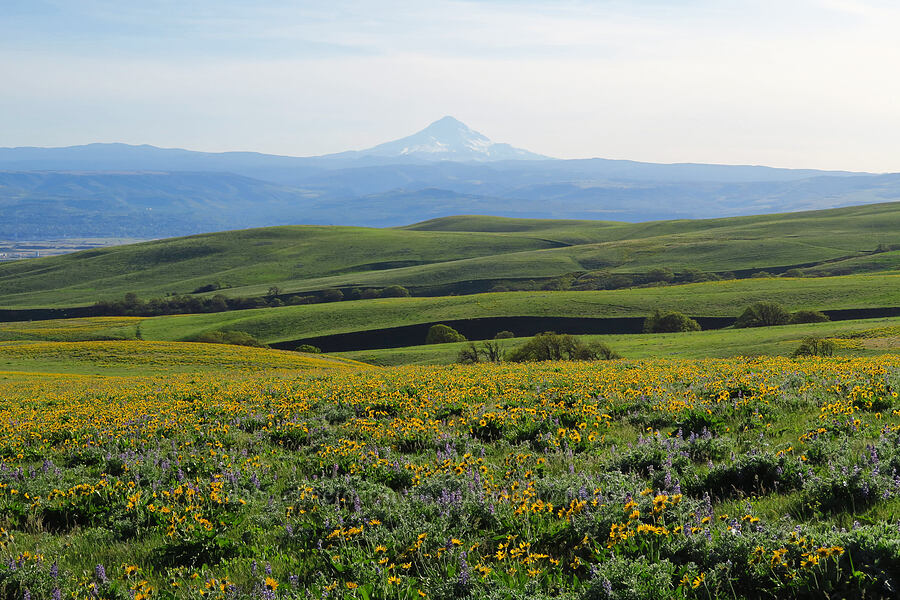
451	251
863	337
72	330
721	298
137	358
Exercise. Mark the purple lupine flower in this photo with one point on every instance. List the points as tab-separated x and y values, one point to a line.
54	570
100	572
607	587
56	594
463	569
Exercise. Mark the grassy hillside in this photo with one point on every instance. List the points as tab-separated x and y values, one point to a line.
236	258
451	251
724	298
864	337
123	358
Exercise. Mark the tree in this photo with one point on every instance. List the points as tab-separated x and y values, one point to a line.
670	322
492	351
504	335
332	295
809	316
395	291
442	334
814	346
763	314
468	354
550	345
664	275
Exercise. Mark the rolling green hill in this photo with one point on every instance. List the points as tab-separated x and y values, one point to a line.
864	337
452	253
720	298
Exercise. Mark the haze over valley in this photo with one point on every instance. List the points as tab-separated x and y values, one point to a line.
124	191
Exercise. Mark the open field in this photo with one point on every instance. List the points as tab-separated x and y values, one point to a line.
142	358
72	330
629	479
863	337
449	253
724	298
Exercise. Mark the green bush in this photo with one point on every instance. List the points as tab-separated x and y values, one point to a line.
550	345
763	314
309	348
504	335
332	296
670	322
490	351
395	291
814	346
809	316
442	334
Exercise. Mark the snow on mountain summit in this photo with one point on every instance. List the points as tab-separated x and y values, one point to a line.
449	139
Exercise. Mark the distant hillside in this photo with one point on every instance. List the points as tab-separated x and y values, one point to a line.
42	205
118	190
456	255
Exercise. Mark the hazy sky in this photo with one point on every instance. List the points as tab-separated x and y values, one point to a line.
795	83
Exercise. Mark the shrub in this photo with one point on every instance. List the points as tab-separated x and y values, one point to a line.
550	345
442	334
395	291
670	322
468	355
809	316
763	314
332	296
489	351
661	274
237	338
370	293
309	348
504	335
814	346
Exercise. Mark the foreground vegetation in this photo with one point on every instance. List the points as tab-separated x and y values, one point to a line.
621	479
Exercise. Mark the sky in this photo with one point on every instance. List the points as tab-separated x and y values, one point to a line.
787	83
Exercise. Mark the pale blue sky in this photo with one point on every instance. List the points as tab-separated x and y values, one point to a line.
797	83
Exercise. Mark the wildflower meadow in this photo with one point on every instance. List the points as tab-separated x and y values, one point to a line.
733	478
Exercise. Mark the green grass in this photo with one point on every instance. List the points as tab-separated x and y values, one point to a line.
721	343
447	252
136	358
724	298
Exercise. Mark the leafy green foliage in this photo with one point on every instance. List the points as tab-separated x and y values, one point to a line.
815	346
763	314
669	322
554	346
442	334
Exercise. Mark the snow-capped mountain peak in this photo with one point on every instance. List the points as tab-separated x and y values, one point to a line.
449	139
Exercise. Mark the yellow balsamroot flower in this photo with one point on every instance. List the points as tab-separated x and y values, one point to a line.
271	583
394	580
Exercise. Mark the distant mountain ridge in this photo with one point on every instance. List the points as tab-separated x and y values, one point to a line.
120	190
